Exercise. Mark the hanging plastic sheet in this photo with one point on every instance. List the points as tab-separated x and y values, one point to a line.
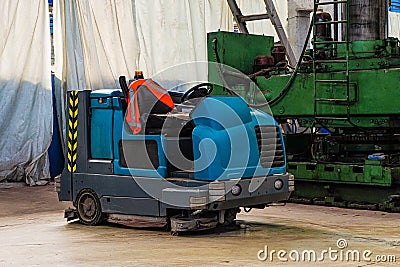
25	91
96	41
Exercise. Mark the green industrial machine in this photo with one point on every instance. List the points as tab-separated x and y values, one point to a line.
338	106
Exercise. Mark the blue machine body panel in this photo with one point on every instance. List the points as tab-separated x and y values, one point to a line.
224	139
101	128
108	130
160	172
394	6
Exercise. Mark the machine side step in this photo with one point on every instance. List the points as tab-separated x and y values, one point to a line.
327	61
189	174
332	100
331	118
330	42
138	221
331	81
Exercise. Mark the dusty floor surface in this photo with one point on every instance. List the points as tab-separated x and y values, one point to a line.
34	233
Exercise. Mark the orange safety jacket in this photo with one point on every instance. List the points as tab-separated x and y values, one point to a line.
152	90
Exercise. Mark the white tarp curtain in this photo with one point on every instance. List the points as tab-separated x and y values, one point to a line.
99	40
25	91
96	41
394	24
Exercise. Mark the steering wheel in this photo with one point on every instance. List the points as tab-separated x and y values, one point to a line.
200	90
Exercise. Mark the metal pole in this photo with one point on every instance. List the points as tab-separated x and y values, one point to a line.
237	13
273	14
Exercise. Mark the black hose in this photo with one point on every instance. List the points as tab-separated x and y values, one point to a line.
288	85
294	74
221	75
258	73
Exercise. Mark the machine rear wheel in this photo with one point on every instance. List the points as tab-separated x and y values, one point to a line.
89	208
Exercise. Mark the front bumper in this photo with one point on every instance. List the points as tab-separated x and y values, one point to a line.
218	195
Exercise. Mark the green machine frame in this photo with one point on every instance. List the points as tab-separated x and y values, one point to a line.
341	99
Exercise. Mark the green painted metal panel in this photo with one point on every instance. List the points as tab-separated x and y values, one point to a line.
245	47
225	44
374	73
338	173
371	91
370	101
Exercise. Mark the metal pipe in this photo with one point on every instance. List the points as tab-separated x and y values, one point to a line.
368	19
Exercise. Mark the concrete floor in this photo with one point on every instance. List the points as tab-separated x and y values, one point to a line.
33	232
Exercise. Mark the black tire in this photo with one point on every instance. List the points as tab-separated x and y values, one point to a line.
89	208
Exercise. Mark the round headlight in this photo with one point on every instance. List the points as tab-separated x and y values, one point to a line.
278	184
236	190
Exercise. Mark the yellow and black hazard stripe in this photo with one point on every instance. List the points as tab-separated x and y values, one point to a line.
72	130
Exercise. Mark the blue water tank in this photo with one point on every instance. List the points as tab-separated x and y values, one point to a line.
101	123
